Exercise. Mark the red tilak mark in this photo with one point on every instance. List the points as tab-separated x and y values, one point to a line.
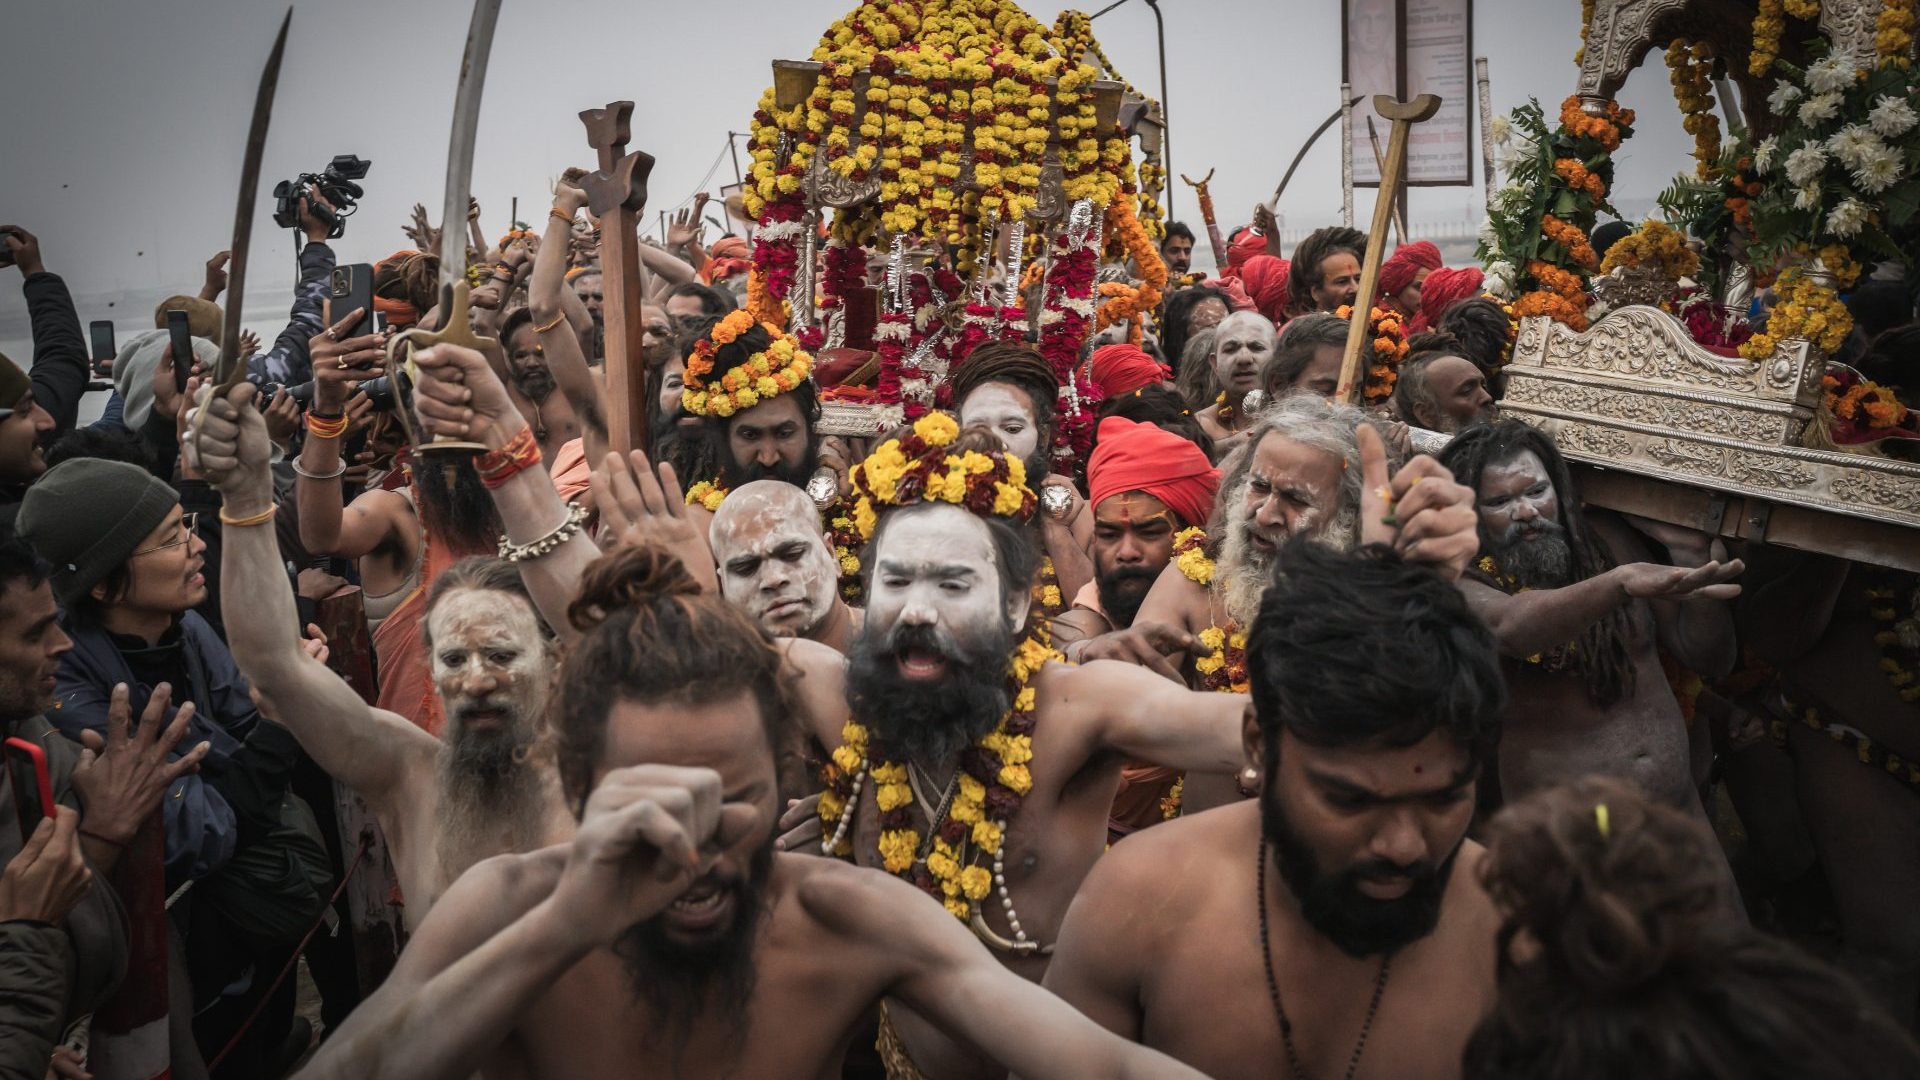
1418	769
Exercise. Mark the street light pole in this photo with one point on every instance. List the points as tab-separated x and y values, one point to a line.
1166	130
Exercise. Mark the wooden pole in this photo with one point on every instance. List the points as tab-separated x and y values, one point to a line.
1399	211
617	194
1404	115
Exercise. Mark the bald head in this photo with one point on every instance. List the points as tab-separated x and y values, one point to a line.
773	557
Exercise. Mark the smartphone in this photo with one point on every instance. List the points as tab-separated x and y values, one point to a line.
352	287
181	338
31	783
103	349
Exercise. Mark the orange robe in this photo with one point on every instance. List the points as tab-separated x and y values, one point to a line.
406	675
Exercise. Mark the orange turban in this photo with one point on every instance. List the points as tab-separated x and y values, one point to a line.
1405	264
1142	457
1444	288
1235	289
1266	280
1122	369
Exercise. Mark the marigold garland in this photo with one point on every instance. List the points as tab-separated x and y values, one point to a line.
1223	669
1657	245
1898	639
1571	240
918	468
1863	406
708	494
779	369
1131	302
994	777
1387	346
1769	22
1893	33
1804	308
1691	72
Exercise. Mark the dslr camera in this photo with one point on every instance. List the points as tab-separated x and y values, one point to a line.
335	184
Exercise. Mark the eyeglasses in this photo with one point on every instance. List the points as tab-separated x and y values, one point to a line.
188	523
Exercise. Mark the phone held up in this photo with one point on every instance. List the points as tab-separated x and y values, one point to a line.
352	287
181	340
103	347
32	785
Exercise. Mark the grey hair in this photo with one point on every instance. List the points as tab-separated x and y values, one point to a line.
1197	384
1312	421
1298	342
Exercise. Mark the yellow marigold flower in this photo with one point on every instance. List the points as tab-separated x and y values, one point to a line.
937	429
972	790
892	796
975	882
941	865
1024	701
897	849
1017	778
1207	665
968	812
959	909
1007	500
890	774
849	565
987	834
846	758
1019	751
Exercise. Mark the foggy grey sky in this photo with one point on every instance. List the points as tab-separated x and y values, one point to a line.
126	121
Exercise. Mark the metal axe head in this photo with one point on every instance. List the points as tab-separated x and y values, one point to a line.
1417	111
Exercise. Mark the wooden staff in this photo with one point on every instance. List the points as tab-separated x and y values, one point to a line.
617	194
1206	214
1393	195
1404	115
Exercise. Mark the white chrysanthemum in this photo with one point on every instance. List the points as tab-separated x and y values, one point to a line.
1597	310
1488	235
1807	198
1763	154
1878	172
1854	144
1820	109
1805	164
1501	129
1783	96
1846	220
1501	277
1891	117
1830	76
1523	146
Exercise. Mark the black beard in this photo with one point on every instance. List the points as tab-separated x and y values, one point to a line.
535	381
1122	607
677	983
735	474
928	722
460	514
1543	562
1356	923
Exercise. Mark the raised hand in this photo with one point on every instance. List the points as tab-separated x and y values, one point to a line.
249	343
232	449
216	279
282	417
799	828
639	503
640	845
341	364
568	196
685	227
22	249
123	777
49	875
1420	512
421	231
458	395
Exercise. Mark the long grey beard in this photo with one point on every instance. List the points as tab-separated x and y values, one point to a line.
1245	571
488	811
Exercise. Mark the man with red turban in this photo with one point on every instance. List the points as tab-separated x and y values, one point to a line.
1145	484
728	257
1122	368
1245	245
1444	288
1402	275
1265	278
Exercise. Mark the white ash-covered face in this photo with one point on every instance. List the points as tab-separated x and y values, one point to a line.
1242	344
774	561
1005	411
490	664
935	567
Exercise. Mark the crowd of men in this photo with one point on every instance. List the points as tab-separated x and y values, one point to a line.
764	752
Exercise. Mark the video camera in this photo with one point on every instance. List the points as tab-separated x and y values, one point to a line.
335	184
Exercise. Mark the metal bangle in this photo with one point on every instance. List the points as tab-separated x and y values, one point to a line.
569	527
337	473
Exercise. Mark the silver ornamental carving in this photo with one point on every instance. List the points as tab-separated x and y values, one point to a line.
1649	345
800	295
897	274
1016	251
1050	201
826	187
823	487
1056	500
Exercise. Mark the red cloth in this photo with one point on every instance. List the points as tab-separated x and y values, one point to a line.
1235	289
724	269
1445	287
1122	369
570	470
1244	247
1405	264
1142	457
1266	280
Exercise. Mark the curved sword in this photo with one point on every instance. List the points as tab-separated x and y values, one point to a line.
456	326
230	368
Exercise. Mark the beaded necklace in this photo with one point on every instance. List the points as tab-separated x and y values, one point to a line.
1294	1065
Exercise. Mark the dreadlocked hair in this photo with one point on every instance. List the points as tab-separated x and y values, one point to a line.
1602	655
1016	364
1307	257
411	277
650	635
1479	327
